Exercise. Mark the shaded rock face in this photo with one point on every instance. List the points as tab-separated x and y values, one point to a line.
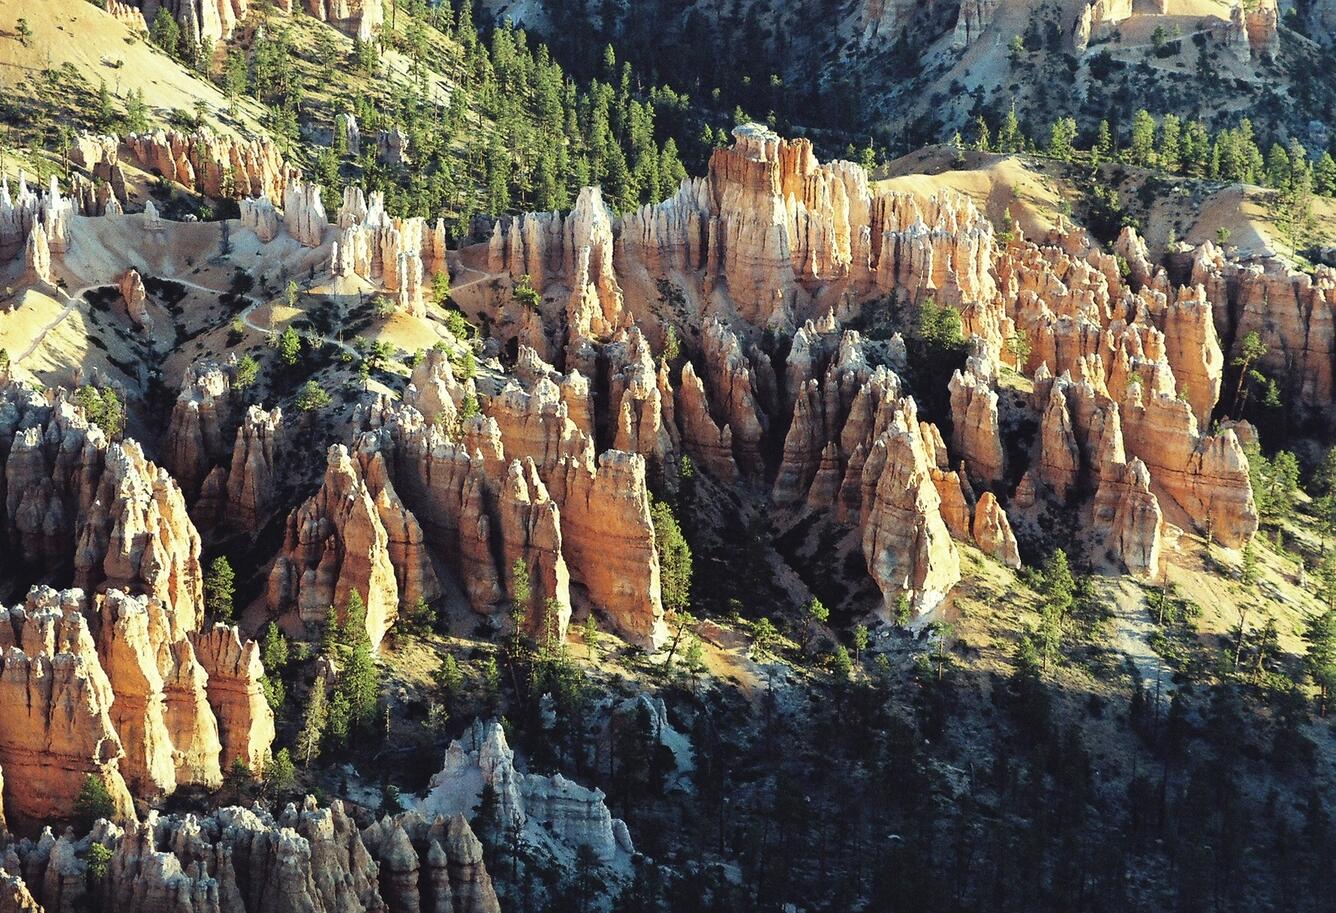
975	16
1290	312
522	484
78	507
354	534
199	433
234	670
253	477
551	811
431	865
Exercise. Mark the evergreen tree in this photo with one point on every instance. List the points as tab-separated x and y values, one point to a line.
1141	145
314	721
165	33
1103	148
675	564
1061	138
219	587
93	802
339	724
1324	176
360	680
1320	660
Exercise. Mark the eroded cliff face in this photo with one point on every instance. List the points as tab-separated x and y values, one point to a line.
353	535
113	685
521	484
771	235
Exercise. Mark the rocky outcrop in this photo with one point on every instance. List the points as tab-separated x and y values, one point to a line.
531	550
905	540
608	540
215	165
1255	29
992	531
23	214
640	399
253	476
1129	515
392	147
1193	351
354	534
1059	457
360	18
974	17
304	213
37	256
435	391
346	124
55	701
975	434
576	250
1098	21
1290	312
701	437
400	253
161	710
245	720
736	391
136	536
550	811
237	860
1206	475
259	216
201	425
134	296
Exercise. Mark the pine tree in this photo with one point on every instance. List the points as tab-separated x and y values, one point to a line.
675	561
360	680
1171	146
219	587
1324	176
314	721
1320	660
93	802
1103	148
1141	147
165	33
274	650
339	725
1061	138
